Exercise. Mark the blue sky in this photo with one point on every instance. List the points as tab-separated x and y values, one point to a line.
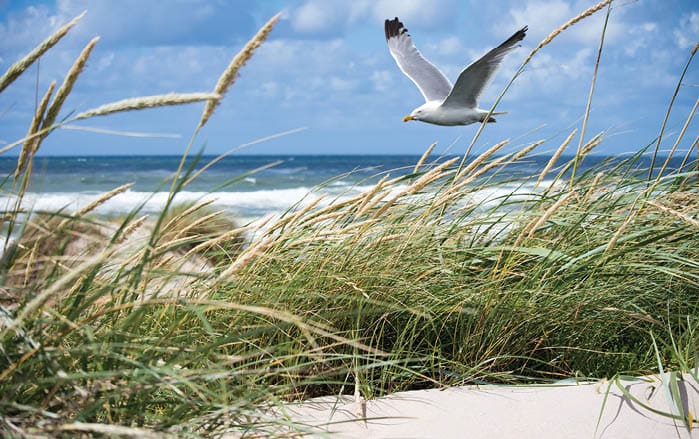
326	68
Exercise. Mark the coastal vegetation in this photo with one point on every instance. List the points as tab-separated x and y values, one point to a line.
190	324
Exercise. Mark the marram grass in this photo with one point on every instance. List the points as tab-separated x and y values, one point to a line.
191	325
16	69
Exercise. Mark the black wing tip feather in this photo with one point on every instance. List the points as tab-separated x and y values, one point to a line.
515	38
520	34
394	28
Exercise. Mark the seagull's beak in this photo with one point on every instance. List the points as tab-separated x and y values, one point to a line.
407	118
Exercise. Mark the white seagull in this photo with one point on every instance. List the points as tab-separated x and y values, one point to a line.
444	104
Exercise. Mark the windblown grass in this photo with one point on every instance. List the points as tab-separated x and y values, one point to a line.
417	282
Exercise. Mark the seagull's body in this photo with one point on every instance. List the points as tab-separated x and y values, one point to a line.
446	104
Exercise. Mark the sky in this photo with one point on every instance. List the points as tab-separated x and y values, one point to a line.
326	69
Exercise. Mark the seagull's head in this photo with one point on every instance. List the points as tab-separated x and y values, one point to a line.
417	114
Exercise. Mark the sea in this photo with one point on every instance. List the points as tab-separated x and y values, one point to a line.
247	186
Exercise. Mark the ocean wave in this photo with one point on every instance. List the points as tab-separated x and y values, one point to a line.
249	204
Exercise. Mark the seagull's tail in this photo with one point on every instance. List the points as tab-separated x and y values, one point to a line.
491	119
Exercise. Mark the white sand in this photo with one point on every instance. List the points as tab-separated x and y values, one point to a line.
564	411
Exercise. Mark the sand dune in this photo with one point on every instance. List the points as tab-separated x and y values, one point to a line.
563	411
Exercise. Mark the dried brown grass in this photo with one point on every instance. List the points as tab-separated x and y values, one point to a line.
231	73
67	86
23	64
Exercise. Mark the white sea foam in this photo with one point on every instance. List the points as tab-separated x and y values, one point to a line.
259	202
493	195
252	204
245	204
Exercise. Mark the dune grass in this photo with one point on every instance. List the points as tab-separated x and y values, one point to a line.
418	282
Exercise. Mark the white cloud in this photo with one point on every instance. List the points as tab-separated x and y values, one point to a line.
687	34
316	17
269	89
418	13
640	37
315	72
381	79
333	17
139	23
544	16
579	65
448	46
105	61
340	84
19	32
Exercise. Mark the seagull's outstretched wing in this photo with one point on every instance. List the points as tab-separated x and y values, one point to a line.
473	79
432	83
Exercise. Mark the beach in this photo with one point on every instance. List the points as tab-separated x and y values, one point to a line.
603	409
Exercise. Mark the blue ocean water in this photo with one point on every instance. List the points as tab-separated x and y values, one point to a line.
69	182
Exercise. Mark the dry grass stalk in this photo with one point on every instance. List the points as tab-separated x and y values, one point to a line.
332	207
555	157
247	256
617	234
481	158
431	176
423	181
526	150
170	245
369	195
122	133
495	163
589	146
506	159
30	264
143	102
28	148
231	73
680	136
231	234
322	238
198	222
296	215
102	199
387	205
67	85
373	202
20	66
565	26
41	298
593	186
423	158
325	217
188	211
683	216
388	238
111	430
11	145
534	225
131	228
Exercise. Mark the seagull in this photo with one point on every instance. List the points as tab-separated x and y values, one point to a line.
444	104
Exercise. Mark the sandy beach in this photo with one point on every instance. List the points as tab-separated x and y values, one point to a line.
561	411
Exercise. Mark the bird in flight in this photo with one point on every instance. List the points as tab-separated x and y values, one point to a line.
446	104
